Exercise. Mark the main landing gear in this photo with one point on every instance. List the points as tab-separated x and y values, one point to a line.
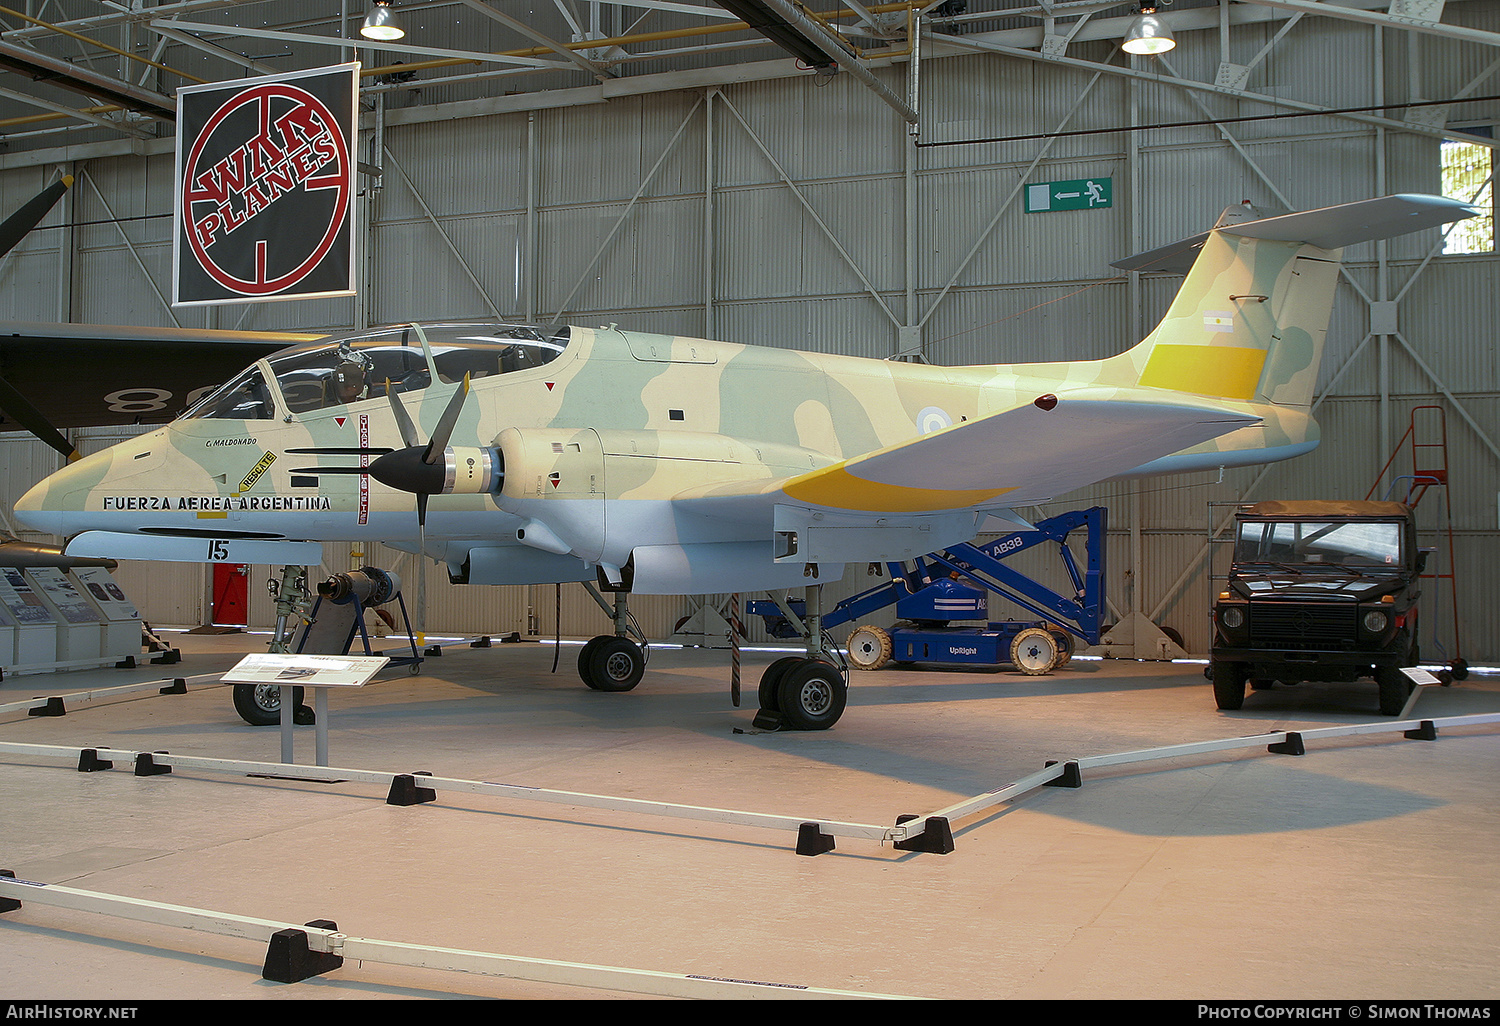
807	692
802	693
613	662
796	693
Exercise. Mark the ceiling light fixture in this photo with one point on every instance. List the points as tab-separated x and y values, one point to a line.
381	23
1148	34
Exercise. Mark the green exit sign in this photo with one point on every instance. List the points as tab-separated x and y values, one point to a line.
1079	194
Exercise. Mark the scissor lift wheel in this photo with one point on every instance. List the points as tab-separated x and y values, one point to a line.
1033	651
869	647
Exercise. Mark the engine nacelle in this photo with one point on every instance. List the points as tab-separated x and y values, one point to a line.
369	584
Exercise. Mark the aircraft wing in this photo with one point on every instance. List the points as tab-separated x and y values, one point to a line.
1017	457
84	375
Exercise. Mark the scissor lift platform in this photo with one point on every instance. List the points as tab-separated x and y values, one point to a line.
953	585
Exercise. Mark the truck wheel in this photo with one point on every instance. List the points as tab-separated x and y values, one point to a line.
1395	689
1229	685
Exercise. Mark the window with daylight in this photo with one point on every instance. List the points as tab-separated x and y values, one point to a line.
1468	174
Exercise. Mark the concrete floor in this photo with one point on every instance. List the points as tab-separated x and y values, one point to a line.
1363	870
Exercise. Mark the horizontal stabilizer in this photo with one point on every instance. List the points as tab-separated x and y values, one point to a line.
1327	228
1018	457
1364	221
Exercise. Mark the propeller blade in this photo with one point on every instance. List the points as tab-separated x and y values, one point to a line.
342	450
19	409
422	523
439	440
17	225
403	421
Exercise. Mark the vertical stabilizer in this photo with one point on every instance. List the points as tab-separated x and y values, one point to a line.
1249	322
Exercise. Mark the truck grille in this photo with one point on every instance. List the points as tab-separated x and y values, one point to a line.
1290	625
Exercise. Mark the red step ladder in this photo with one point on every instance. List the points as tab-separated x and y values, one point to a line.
1426	439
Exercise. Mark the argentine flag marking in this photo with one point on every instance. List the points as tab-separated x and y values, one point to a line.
1219	320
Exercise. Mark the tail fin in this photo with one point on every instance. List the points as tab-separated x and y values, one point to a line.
1249	321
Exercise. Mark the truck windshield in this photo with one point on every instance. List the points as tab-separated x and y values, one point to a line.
1313	542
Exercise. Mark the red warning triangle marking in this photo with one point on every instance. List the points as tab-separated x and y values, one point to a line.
550	384
340	420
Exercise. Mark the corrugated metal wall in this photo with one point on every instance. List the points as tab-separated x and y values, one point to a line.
612	198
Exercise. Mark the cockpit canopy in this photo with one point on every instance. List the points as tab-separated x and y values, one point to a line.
334	372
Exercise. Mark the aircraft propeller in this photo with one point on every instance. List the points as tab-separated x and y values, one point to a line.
420	468
16	227
12	230
424	468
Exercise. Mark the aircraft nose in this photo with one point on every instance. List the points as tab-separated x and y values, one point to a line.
56	500
31	510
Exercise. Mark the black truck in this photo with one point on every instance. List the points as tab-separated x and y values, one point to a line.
1319	591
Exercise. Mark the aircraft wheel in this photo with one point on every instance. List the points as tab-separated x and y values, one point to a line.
812	695
1033	651
770	682
260	704
586	654
869	647
615	664
1229	685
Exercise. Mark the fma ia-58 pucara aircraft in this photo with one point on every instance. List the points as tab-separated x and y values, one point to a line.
659	464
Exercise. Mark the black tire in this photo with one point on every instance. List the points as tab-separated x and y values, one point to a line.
812	696
615	664
770	682
260	704
1395	689
1229	685
585	654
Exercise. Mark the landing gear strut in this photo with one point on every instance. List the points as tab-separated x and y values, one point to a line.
613	662
260	704
804	692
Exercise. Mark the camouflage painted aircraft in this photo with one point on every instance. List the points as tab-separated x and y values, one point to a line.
657	464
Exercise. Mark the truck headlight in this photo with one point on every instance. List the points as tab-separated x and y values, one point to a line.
1232	617
1375	621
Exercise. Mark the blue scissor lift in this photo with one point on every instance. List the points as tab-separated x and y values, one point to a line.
952	585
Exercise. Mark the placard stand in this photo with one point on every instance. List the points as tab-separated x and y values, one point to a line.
289	670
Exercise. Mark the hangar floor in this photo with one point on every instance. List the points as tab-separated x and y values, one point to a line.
1364	869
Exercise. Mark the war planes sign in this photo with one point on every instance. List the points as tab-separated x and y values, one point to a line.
265	188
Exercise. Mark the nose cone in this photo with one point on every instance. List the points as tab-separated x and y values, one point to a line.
31	510
55	503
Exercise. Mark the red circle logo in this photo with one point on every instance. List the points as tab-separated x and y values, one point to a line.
266	189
